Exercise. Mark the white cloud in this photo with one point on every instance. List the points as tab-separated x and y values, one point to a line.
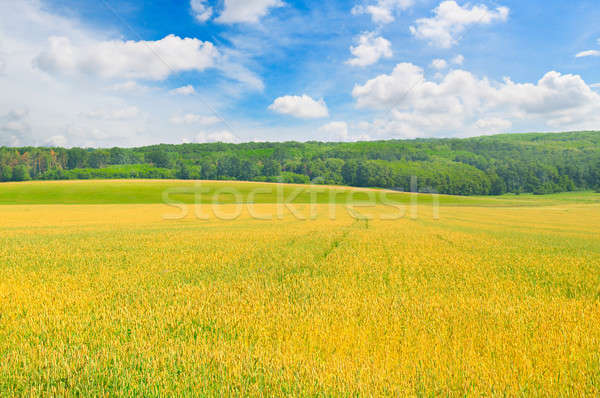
191	118
300	106
462	102
128	87
589	53
369	50
493	124
236	71
93	83
57	141
385	90
15	128
98	134
219	136
458	60
382	11
451	20
57	106
200	10
439	64
154	60
185	90
595	85
125	113
87	136
363	137
246	11
340	132
335	131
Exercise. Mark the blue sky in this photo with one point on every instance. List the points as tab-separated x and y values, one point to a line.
105	73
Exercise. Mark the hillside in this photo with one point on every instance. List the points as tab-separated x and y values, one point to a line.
491	165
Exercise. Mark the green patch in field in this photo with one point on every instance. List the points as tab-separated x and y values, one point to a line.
226	192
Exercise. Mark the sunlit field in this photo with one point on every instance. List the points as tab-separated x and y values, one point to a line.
104	290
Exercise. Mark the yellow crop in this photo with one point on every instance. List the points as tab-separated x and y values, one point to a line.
116	300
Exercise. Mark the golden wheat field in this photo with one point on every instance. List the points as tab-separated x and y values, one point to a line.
117	300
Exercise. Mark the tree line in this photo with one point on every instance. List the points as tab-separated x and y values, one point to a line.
493	165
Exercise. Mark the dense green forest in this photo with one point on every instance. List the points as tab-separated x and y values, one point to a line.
491	165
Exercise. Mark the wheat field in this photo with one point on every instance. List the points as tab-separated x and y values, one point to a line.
122	300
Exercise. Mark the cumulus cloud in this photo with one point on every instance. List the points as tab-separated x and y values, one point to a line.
462	101
185	90
300	106
86	110
154	60
218	136
200	10
451	20
340	131
192	118
385	90
369	50
335	131
589	53
439	64
458	60
382	11
245	11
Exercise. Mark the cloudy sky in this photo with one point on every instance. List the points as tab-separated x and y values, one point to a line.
103	73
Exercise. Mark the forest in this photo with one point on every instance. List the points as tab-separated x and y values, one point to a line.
490	165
